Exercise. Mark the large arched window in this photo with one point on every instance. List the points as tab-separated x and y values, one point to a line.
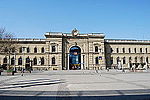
53	48
42	61
96	48
20	61
12	61
28	50
35	61
5	60
35	50
124	60
53	60
42	50
27	60
96	60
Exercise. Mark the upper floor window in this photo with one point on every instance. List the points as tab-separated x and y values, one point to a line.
135	59
129	50
35	50
117	50
42	50
28	49
135	50
53	48
123	49
140	50
146	50
20	50
96	48
111	50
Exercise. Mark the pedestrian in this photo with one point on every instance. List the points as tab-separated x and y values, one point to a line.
22	71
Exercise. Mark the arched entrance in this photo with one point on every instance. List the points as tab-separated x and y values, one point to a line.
75	58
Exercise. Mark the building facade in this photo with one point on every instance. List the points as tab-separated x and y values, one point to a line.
74	51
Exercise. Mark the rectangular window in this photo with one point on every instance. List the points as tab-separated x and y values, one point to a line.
53	48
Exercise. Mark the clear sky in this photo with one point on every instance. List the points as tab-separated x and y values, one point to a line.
118	19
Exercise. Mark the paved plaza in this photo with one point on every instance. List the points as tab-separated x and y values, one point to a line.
76	85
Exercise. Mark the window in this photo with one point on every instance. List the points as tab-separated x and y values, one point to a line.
111	61
96	60
28	50
135	59
118	60
147	60
117	50
20	50
20	61
12	61
28	60
146	50
42	50
53	48
35	61
53	61
129	50
111	50
140	50
5	60
123	49
130	59
96	48
42	61
124	60
35	50
141	60
135	50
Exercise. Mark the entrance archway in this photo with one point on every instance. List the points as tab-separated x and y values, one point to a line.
75	58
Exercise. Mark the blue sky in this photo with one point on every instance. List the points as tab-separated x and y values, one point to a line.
118	19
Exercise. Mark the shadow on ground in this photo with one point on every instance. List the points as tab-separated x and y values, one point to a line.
124	97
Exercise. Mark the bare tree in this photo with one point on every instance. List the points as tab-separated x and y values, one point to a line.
8	45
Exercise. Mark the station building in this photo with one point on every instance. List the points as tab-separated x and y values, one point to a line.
75	51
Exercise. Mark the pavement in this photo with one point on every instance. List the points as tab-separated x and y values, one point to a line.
76	85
